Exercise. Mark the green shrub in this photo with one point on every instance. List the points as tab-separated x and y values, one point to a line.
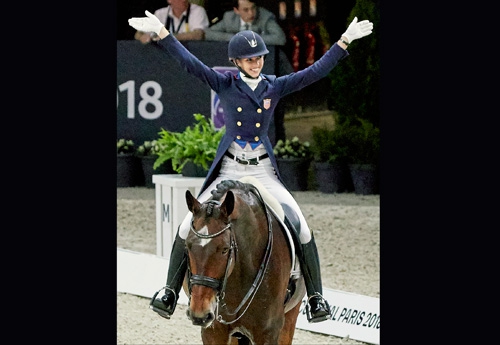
148	148
124	146
330	144
363	141
292	149
198	144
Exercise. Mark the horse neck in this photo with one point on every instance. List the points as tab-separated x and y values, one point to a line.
251	235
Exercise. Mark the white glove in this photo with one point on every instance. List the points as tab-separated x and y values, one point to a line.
357	30
146	24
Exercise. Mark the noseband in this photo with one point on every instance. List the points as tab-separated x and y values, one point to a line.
219	286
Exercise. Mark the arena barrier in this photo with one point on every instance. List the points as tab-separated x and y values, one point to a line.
354	316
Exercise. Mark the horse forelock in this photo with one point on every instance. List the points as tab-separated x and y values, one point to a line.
211	209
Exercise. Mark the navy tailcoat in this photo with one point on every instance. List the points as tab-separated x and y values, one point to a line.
247	113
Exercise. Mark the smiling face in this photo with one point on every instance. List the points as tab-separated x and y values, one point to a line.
246	10
252	66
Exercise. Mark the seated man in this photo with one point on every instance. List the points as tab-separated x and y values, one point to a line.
247	15
185	20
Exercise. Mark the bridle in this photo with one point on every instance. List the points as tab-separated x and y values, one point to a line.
220	286
213	283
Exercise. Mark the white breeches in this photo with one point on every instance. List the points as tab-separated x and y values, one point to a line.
264	172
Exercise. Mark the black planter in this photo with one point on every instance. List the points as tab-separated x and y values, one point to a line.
364	178
194	170
333	177
147	163
294	172
128	170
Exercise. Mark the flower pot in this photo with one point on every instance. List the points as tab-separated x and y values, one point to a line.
193	170
364	178
128	170
294	172
147	163
332	177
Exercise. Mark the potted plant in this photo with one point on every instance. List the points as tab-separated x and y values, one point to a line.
128	171
293	158
364	152
148	153
194	147
330	159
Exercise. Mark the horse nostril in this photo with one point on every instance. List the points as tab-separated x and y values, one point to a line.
210	317
203	321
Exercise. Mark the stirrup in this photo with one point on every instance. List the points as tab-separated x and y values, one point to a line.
320	316
159	307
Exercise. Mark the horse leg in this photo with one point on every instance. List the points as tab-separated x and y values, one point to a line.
288	330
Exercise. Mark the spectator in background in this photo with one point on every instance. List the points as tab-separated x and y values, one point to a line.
249	15
186	21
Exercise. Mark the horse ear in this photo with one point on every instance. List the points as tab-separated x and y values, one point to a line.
192	203
228	204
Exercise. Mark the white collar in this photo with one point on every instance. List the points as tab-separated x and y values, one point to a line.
243	23
251	82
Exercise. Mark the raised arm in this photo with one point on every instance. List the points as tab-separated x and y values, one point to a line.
176	50
356	30
149	24
329	60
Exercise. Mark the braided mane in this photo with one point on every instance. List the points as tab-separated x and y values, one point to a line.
226	185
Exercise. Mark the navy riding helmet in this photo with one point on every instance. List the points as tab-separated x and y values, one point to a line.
246	44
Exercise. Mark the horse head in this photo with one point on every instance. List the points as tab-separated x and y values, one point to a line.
211	250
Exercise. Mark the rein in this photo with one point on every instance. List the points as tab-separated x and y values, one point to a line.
215	283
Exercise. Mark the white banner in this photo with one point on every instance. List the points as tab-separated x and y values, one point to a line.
354	316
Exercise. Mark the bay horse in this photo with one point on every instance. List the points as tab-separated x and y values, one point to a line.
240	282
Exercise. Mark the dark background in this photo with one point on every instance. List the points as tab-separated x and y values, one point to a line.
182	94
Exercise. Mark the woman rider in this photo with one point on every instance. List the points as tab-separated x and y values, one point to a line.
248	99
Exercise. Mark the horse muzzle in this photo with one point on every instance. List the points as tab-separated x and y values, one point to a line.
204	320
202	305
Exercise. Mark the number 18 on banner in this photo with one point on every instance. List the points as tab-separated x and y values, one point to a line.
217	112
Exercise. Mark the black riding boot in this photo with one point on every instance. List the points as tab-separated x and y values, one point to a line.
165	305
317	308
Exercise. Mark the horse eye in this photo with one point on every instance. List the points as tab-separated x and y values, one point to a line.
225	250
